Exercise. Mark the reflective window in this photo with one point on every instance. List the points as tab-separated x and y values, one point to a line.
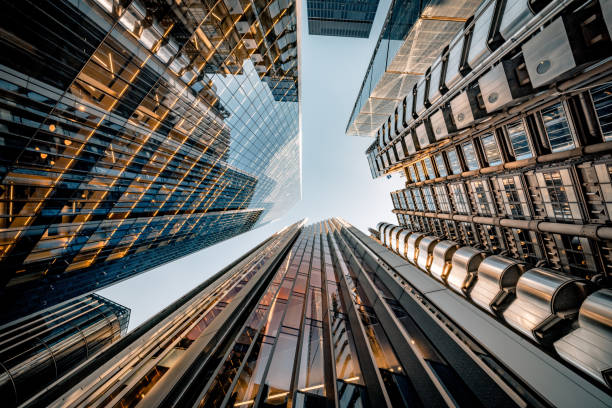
460	198
418	199
429	167
469	235
409	199
429	198
558	195
482	197
420	170
453	161
492	237
443	200
451	230
469	154
527	245
491	151
412	174
557	128
576	255
602	100
514	196
518	140
440	165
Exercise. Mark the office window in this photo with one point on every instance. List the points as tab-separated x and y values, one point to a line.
443	200
576	255
453	161
557	128
420	171
518	140
429	198
451	230
460	198
558	195
437	228
395	201
469	234
491	150
402	200
482	197
431	174
527	245
602	100
418	199
492	238
412	173
471	161
513	194
440	165
409	199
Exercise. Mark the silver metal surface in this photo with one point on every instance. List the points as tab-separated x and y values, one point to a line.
412	250
589	347
409	142
516	14
462	111
606	8
438	124
402	240
419	105
442	257
453	60
543	298
548	54
478	45
426	247
424	134
495	88
464	268
496	283
434	80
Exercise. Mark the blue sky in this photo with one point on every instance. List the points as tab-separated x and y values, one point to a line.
336	179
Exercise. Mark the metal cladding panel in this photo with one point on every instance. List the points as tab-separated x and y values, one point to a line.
401	155
434	81
420	96
495	88
438	125
478	43
549	54
424	134
409	142
516	14
385	160
462	111
595	329
453	60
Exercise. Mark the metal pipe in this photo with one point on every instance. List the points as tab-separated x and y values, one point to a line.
592	231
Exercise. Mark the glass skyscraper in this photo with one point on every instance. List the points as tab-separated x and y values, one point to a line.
341	18
325	316
44	346
136	132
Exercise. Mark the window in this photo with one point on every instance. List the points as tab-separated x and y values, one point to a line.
527	245
429	198
492	238
518	140
436	223
442	196
420	171
558	195
418	199
602	100
491	151
460	198
576	255
409	199
471	161
514	197
451	230
469	234
395	200
431	174
453	161
440	165
402	200
557	128
412	174
482	197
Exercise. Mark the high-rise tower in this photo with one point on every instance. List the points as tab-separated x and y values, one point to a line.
341	18
325	316
136	132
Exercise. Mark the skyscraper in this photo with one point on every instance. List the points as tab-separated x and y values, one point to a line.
342	18
137	132
323	315
43	347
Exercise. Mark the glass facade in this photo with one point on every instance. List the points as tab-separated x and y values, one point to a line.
342	18
314	316
136	128
40	348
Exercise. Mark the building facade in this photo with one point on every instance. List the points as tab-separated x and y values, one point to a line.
341	18
136	132
324	316
45	346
